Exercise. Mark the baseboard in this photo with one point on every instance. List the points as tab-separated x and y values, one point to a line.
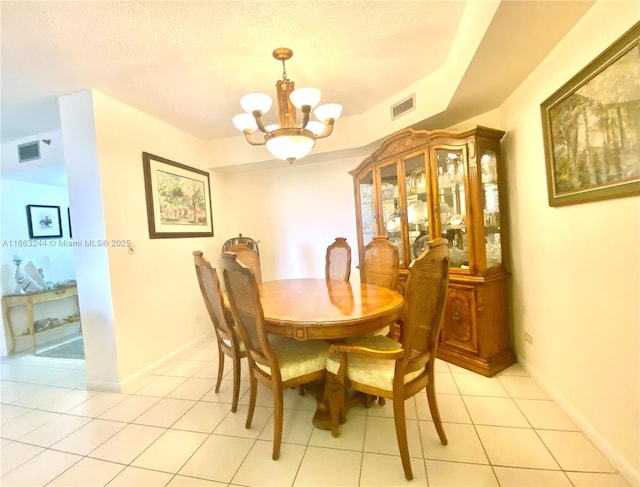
130	383
618	461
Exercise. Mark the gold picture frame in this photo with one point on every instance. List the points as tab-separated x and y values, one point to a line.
178	199
591	128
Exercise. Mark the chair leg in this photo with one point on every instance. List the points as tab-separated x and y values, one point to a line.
253	386
401	434
435	412
236	384
220	368
278	414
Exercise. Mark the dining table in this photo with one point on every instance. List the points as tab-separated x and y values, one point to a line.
324	309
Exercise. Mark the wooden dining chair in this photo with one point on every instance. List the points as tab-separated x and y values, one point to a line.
379	266
379	263
229	341
249	256
338	260
380	366
277	362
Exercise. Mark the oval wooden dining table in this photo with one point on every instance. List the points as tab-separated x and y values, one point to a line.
321	309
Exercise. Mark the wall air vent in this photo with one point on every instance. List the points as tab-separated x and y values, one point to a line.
403	107
29	151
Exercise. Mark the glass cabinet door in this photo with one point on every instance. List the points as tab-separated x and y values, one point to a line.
417	209
491	208
391	206
367	207
452	196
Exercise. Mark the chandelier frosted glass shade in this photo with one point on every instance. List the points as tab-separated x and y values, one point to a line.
290	147
287	140
305	96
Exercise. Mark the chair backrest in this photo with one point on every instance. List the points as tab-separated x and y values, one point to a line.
249	257
212	295
425	297
379	263
338	260
251	243
244	298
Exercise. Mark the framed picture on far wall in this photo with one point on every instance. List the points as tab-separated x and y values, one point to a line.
43	221
591	128
178	199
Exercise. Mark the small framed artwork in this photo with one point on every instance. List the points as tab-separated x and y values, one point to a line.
44	221
591	128
178	199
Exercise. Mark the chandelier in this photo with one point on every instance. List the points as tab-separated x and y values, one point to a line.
287	140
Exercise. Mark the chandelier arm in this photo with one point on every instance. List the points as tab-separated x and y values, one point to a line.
247	135
328	129
257	114
306	110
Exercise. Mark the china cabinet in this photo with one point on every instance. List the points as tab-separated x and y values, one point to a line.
419	185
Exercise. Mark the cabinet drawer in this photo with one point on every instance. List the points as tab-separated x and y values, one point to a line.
459	326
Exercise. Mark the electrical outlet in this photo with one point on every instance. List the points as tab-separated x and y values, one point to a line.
528	338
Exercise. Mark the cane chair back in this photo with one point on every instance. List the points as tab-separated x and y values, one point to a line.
249	257
380	263
380	366
229	342
338	260
278	362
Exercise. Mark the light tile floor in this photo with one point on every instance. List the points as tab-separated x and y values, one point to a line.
173	430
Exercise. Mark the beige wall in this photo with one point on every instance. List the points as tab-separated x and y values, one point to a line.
576	286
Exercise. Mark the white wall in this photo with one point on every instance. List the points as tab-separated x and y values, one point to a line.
296	212
138	308
576	286
51	255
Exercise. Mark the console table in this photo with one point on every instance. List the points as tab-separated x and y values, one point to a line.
29	301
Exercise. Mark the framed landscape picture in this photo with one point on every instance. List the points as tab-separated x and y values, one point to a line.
591	128
178	199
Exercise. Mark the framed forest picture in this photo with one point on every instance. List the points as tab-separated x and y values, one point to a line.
591	128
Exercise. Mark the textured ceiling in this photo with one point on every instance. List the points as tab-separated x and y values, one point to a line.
188	63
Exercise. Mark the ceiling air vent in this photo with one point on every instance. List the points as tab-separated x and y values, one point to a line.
29	151
405	106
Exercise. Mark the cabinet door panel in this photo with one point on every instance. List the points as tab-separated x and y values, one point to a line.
417	191
459	326
452	203
391	206
366	199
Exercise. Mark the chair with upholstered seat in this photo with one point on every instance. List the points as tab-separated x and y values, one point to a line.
379	263
338	260
275	361
380	366
229	342
379	266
